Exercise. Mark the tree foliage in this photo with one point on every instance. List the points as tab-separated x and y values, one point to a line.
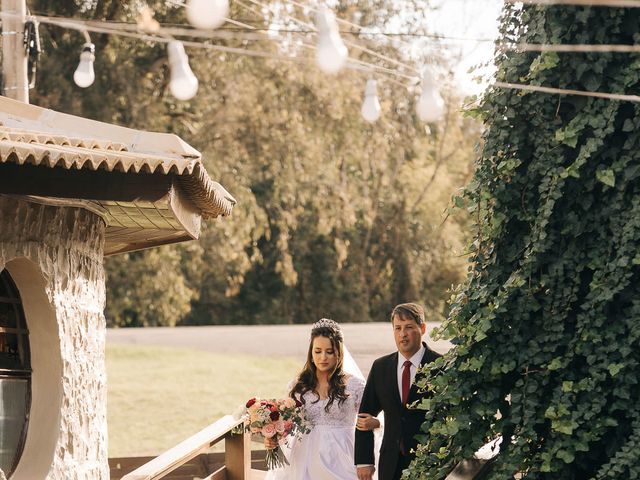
335	217
548	323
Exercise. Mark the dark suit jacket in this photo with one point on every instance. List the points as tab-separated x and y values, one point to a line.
400	423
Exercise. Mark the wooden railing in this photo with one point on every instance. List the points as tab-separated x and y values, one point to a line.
235	462
237	456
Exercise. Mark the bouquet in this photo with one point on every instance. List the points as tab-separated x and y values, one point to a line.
279	419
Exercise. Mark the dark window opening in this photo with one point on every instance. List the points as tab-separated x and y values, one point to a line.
15	375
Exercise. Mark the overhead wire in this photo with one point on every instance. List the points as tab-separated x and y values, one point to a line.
83	26
570	48
361	63
566	91
349	43
584	3
131	30
338	19
354	64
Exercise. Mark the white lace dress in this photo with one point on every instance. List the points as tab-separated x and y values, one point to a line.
326	453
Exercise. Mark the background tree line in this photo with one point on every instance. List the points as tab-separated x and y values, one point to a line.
335	217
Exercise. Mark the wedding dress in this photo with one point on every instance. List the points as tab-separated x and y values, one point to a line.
326	453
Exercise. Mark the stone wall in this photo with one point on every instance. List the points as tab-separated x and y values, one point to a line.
55	256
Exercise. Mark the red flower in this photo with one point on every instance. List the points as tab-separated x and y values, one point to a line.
298	403
251	402
274	415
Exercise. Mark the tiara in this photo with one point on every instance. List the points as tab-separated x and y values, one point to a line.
327	323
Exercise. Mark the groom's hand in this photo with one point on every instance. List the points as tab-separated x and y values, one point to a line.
366	473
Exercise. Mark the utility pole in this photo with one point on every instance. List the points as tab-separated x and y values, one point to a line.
14	55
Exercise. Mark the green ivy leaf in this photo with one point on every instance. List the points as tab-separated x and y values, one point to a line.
607	177
565	456
614	368
555	364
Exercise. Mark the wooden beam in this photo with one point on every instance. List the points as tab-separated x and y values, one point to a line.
220	474
238	456
185	451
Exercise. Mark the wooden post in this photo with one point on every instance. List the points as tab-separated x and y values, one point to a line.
14	58
238	456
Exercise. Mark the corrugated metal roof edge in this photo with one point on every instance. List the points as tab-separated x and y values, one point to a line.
22	116
211	198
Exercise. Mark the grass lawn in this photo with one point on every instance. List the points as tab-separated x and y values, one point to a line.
158	396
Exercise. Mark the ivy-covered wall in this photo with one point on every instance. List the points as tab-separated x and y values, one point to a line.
548	323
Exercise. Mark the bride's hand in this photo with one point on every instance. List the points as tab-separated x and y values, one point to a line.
270	443
367	422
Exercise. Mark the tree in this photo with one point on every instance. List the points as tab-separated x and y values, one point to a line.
334	218
547	325
160	296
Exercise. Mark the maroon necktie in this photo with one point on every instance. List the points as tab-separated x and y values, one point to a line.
406	381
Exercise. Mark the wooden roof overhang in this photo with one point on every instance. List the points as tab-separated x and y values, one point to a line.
150	188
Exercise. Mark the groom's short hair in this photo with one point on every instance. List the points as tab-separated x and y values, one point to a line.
409	311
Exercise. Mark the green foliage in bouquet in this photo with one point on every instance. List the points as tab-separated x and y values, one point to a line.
548	323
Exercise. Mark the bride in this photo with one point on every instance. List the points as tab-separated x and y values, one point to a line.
330	392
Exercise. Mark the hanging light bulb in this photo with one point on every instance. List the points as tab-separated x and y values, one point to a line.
371	106
430	106
84	74
183	84
331	52
207	13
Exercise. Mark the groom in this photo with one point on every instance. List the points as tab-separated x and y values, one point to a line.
390	388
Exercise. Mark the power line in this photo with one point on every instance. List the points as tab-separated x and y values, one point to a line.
339	20
126	30
586	3
570	48
83	26
564	91
225	32
351	44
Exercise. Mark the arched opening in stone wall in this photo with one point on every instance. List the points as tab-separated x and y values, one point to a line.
43	426
15	375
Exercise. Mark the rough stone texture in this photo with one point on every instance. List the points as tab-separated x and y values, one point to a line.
67	244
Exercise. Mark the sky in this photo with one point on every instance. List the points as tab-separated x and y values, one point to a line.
477	19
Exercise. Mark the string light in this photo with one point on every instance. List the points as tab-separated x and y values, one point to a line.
84	76
183	84
207	14
430	106
371	106
331	53
353	45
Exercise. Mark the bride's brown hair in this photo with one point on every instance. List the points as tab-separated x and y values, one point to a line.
307	380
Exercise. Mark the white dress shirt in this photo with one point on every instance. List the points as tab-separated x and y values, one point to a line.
415	363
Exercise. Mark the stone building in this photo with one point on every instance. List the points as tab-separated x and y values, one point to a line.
73	190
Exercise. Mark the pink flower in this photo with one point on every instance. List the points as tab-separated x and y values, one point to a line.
288	425
269	430
280	428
